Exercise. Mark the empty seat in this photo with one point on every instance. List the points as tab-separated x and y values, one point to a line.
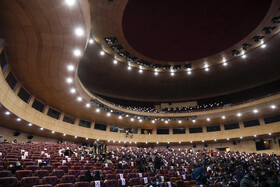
83	172
82	184
134	181
29	181
33	168
43	185
41	173
5	174
74	172
97	184
111	176
65	185
64	168
68	179
58	172
132	175
80	178
111	183
23	173
53	180
76	167
8	182
49	168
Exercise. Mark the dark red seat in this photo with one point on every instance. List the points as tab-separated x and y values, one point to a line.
41	173
53	180
58	172
68	179
5	174
82	184
83	172
49	168
179	183
32	167
43	185
65	185
95	183
134	181
111	183
74	172
132	175
111	176
8	182
29	181
80	178
64	168
76	167
23	173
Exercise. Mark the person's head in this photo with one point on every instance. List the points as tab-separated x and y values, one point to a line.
18	164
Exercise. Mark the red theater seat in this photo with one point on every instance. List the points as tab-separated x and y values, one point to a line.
8	182
68	179
64	168
111	183
65	185
58	172
41	173
53	180
111	176
5	174
23	173
29	181
49	168
134	181
97	183
43	185
82	184
74	172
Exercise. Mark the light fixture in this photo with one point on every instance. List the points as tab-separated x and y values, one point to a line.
227	138
79	98
88	105
244	56
140	71
97	140
115	61
157	142
241	137
168	142
69	80
114	141
269	134
202	140
108	140
206	69
70	2
255	111
86	138
215	140
130	142
255	136
153	121
191	141
179	142
29	124
193	120
119	141
41	128
120	117
180	121
77	52
91	41
53	132
131	119
165	121
18	119
225	64
102	53
146	142
79	31
189	72
108	114
156	73
76	137
129	68
135	142
208	119
172	73
7	113
73	90
64	134
140	120
223	117
263	46
70	67
97	110
273	106
239	114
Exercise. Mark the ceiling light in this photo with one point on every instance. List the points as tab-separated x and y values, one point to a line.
215	140
193	120
88	105
189	72
168	142
180	121
86	138
70	67
7	113
156	73
202	140
73	90
153	121
255	136
120	117
53	132
114	141
18	119
97	140
79	98
79	32
70	2
191	141
131	119
227	138
129	68
69	80
77	52
241	137
135	142
76	137
140	120
119	141
263	46
166	121
91	41
255	111
140	71
243	56
41	128
239	114
108	140
223	117
206	69
146	142
97	110
273	106
108	114
102	53
29	124
64	134
208	119
269	133
157	142
172	73
225	64
115	61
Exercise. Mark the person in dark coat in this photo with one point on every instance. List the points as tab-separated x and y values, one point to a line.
15	168
88	177
95	147
98	176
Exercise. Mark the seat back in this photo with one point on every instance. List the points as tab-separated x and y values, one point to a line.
123	182
5	174
132	175
68	179
29	181
111	176
49	168
8	182
96	184
134	181
42	173
82	184
65	185
53	180
33	168
74	172
23	173
58	172
111	183
179	183
64	168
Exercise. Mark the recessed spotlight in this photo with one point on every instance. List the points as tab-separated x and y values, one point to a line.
135	142
208	119
273	106
76	137
223	117
191	141
79	98
129	68
168	142
140	71
86	138
69	80
269	134
153	121
79	31
202	140
179	142
131	119
97	110
263	46
77	52
244	56
91	41
18	119
165	121
241	137
255	136
239	114
88	105
146	142
225	64
140	120
7	113
157	142
108	140
156	73
180	121
215	140
53	132
114	141
120	117
108	114
227	138
130	142
29	124
73	90
70	2
41	128
115	61
172	73
206	69
255	111
102	53
70	67
189	72
193	120
64	134
119	141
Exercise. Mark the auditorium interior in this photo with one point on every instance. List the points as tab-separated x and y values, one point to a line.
139	93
